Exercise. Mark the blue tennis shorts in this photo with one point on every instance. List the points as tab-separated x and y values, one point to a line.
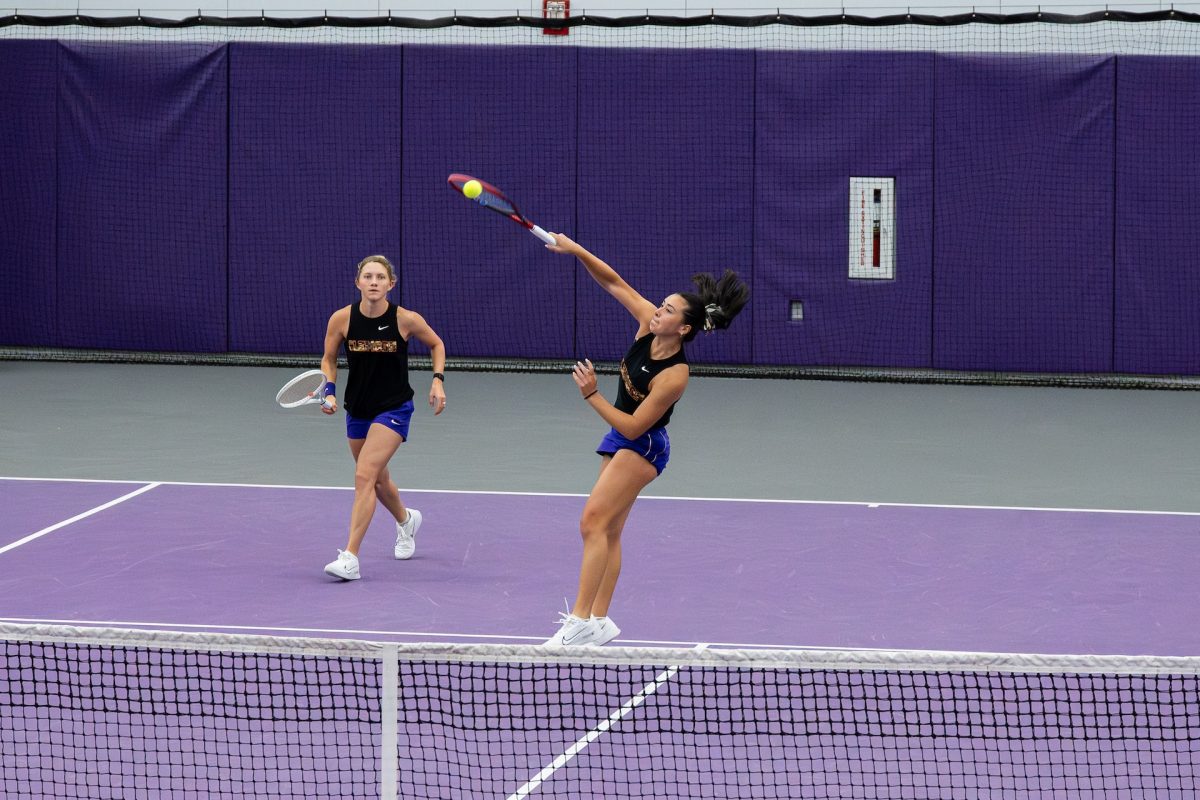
395	420
653	445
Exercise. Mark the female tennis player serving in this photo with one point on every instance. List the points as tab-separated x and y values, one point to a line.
654	375
379	401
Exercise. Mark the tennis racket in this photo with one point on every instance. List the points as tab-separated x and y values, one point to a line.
493	198
303	389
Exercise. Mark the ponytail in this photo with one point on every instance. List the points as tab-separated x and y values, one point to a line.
716	302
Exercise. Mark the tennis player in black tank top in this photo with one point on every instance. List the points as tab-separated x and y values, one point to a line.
378	402
654	375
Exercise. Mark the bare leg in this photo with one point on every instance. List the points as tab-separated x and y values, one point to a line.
371	459
604	515
612	570
385	488
389	496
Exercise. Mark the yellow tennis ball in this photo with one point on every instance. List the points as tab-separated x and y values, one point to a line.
472	189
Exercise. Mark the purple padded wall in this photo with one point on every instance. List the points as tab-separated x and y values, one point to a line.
665	185
115	231
1023	213
1158	193
28	268
822	118
315	141
141	197
486	285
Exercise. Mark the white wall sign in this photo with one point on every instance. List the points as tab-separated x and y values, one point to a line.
873	228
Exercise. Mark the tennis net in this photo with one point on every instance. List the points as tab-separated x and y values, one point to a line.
98	713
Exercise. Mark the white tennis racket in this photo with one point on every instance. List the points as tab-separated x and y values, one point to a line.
304	389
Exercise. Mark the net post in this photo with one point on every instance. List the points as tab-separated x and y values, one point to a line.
389	722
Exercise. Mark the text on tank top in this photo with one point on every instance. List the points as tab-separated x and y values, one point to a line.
378	358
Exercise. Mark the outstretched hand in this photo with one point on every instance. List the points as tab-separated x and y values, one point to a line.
585	377
564	244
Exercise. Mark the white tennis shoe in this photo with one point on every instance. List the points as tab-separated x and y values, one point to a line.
605	631
406	535
344	567
572	632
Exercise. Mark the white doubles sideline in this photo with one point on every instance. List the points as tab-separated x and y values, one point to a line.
595	733
77	517
650	498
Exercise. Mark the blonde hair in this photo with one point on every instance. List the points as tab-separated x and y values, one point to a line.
378	260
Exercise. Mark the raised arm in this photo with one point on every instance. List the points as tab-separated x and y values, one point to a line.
641	308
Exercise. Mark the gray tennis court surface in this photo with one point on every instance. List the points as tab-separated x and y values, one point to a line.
792	514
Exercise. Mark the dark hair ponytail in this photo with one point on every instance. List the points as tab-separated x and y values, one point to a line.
715	303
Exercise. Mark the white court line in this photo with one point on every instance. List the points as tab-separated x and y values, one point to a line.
77	517
595	733
70	480
111	623
424	635
767	500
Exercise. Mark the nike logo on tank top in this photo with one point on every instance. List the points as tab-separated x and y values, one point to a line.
637	370
378	357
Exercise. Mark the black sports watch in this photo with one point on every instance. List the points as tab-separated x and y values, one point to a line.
440	376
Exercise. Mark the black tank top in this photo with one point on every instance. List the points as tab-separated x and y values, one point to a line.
637	370
378	357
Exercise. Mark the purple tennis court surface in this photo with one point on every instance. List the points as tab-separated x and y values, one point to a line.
496	567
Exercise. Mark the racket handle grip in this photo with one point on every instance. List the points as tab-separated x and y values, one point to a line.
541	234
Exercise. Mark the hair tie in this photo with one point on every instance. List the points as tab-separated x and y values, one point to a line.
709	310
